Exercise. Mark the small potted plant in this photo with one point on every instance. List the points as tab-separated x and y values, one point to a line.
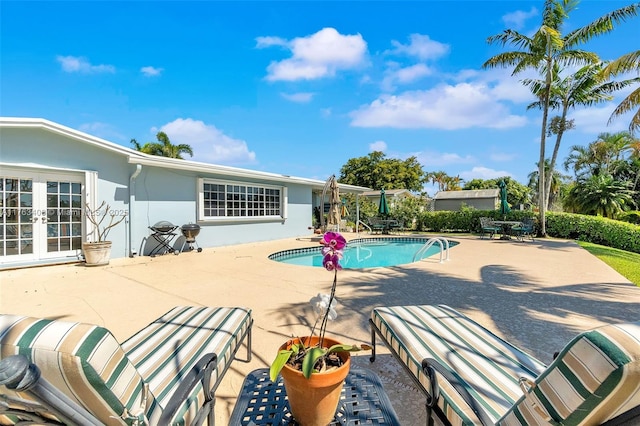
313	368
98	251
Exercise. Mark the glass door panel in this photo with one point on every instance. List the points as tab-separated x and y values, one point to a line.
40	215
16	231
64	216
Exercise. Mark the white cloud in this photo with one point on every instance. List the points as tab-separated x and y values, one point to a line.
593	120
209	144
151	71
404	75
301	97
262	42
378	146
101	130
326	112
437	159
316	56
82	65
502	157
447	107
483	173
503	85
516	20
420	46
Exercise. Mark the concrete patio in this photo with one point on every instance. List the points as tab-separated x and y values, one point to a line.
537	295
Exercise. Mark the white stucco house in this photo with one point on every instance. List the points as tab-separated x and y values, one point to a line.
49	173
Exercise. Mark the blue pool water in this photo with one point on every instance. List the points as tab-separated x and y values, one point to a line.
364	253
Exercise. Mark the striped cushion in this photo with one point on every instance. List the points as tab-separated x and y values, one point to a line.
595	378
165	350
489	367
83	361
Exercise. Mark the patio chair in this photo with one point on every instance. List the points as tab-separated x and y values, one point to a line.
377	226
165	374
488	227
470	376
526	229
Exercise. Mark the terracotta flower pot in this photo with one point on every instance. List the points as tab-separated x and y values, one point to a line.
314	401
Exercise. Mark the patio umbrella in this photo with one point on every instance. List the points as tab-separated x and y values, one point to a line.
343	211
334	202
504	206
383	208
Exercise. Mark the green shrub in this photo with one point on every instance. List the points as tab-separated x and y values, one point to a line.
631	217
594	229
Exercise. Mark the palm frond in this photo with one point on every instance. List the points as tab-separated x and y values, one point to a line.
625	63
602	25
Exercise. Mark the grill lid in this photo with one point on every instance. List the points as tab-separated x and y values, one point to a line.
163	226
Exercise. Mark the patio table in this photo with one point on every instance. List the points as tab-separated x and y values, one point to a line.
506	226
363	401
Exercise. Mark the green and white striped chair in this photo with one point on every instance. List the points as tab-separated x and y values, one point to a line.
165	374
470	376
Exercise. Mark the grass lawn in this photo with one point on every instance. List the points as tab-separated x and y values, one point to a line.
625	262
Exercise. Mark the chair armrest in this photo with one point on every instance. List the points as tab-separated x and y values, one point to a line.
430	366
200	372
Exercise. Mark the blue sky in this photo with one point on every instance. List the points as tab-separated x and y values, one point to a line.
294	87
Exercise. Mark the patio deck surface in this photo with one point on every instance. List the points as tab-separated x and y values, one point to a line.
537	295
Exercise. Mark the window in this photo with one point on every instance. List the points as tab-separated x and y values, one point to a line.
230	200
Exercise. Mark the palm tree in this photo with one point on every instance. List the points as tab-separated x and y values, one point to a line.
546	51
600	195
582	88
555	180
603	156
163	148
627	63
439	177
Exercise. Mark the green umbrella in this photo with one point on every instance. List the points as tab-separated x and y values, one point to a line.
504	206
383	208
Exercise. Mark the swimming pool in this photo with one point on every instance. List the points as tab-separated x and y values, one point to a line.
364	253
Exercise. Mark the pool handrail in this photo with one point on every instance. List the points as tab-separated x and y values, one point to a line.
430	242
363	224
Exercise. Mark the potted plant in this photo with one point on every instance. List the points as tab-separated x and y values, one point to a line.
313	368
98	252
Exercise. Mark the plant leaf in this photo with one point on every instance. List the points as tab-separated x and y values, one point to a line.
348	348
310	360
277	364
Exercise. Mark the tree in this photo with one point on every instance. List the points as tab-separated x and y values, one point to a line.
582	88
603	156
555	180
163	148
377	172
546	51
600	195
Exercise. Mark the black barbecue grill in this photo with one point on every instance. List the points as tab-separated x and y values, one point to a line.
190	231
163	234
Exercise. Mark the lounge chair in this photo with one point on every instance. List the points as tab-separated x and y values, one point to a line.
165	374
470	376
488	227
526	229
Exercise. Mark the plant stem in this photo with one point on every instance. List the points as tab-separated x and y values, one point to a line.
323	327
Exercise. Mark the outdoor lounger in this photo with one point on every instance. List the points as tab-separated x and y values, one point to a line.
470	376
165	374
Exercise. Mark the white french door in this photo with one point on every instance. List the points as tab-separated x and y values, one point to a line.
41	215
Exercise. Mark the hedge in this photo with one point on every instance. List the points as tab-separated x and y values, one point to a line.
594	229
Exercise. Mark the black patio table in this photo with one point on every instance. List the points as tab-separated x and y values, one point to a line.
506	226
363	401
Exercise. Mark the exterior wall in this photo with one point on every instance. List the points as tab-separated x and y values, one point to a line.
456	204
157	194
28	146
164	194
